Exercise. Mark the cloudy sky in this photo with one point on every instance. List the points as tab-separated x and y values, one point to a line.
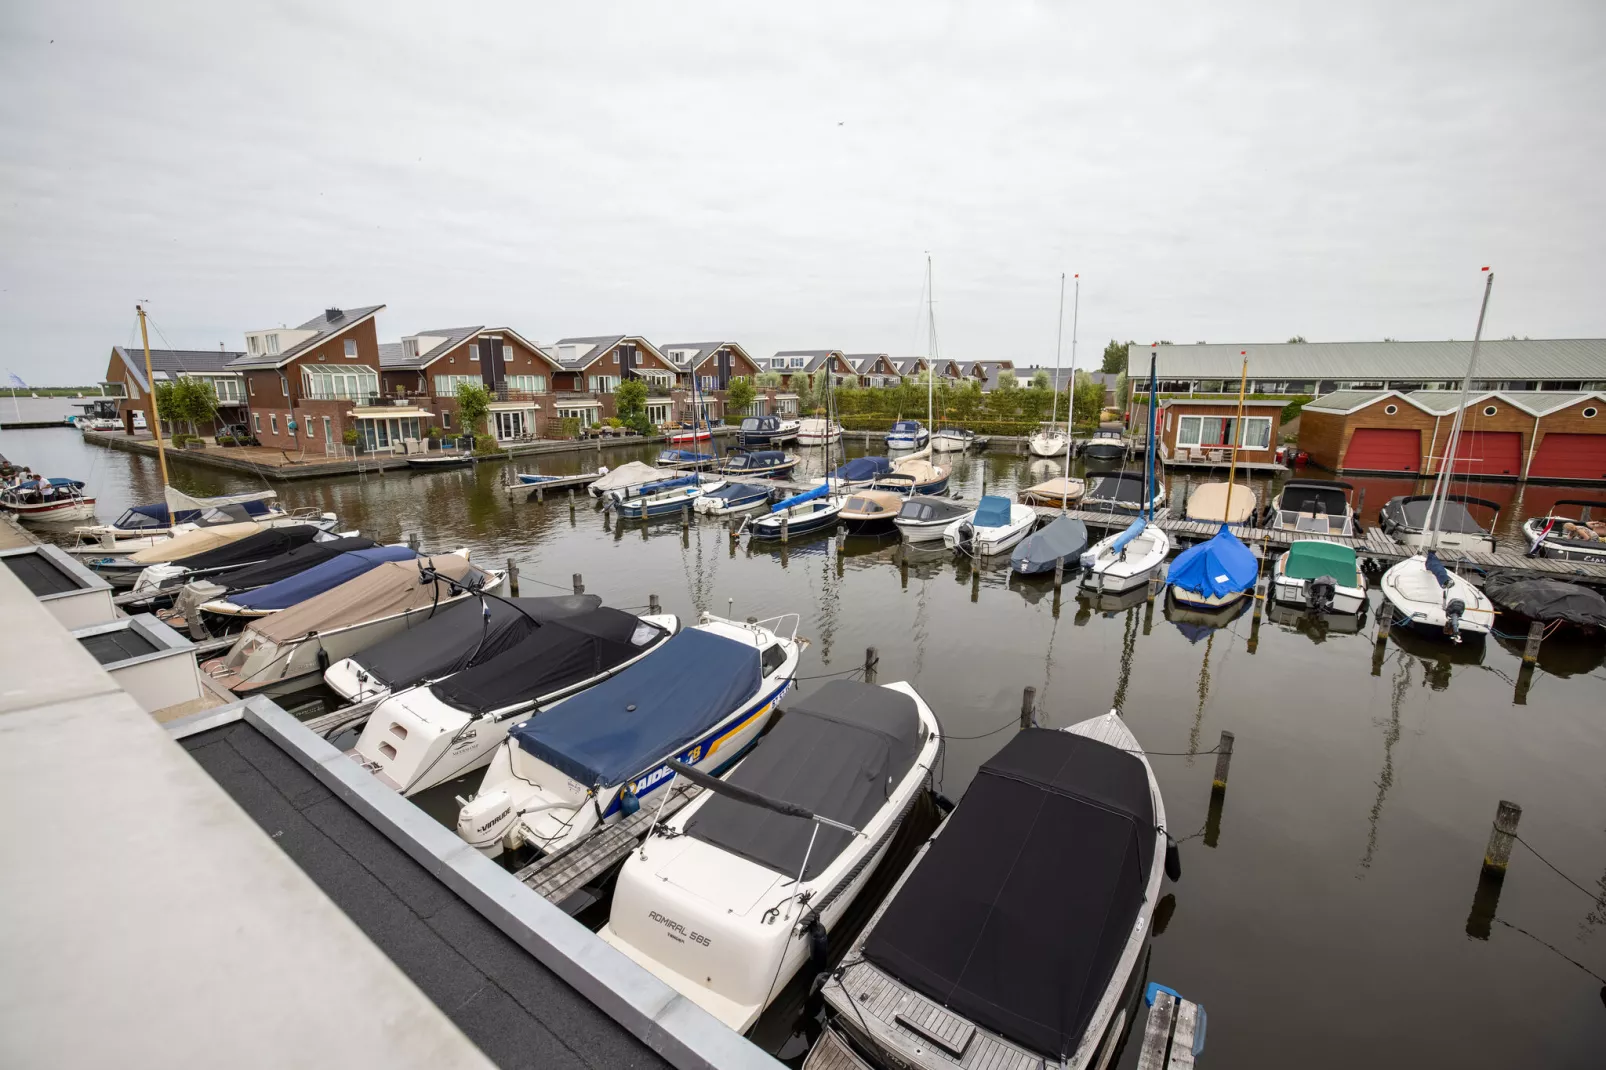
775	174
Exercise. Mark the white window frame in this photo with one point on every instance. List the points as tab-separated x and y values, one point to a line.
529	384
446	419
273	421
474	351
658	412
273	343
256	422
446	385
356	383
351	349
604	384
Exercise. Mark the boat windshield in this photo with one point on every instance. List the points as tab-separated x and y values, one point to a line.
1306	498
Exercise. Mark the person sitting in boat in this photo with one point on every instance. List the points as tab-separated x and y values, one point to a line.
1591	532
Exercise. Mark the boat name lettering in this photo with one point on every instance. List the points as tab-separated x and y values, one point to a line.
651	779
673	927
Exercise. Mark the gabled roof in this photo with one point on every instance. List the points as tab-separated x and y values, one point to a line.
327	327
911	365
600	344
452	338
864	363
1522	359
391	357
816	357
705	352
1443	402
173	362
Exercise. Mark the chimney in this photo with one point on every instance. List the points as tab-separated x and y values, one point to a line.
332	314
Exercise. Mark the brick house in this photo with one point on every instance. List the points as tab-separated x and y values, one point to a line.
307	385
805	362
594	366
125	380
875	369
1204	429
714	365
910	367
519	373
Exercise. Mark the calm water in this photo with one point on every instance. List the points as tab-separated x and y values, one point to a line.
1324	924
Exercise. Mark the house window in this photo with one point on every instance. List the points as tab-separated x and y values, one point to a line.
1256	433
256	422
273	343
473	351
1489	410
309	429
658	413
253	385
586	416
616	356
351	349
798	362
273	421
529	384
1217	431
446	419
1589	413
251	343
340	384
284	385
707	382
604	384
446	385
409	348
1390	410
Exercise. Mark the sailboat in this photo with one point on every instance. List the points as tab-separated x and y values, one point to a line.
813	510
690	458
1229	502
915	474
1430	597
1049	441
1125	560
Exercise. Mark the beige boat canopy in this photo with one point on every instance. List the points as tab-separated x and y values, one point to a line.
1057	491
1209	502
194	542
392	588
873	503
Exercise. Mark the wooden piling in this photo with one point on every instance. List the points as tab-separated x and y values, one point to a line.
1223	761
1028	707
1059	573
871	659
653	605
685	516
1498	854
1536	635
785	521
512	578
413	541
579	584
1155	583
1360	506
540	494
571	505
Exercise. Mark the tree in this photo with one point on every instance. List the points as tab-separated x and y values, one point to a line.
473	406
1007	381
185	400
1298	339
1115	357
767	380
1087	400
1041	381
739	396
630	402
820	388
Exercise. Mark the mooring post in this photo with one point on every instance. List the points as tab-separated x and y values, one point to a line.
841	538
571	505
975	583
1155	583
1360	505
512	577
579	584
1028	707
1496	856
413	541
1218	791
784	523
1223	761
903	570
1536	634
653	605
685	516
1059	573
540	494
871	660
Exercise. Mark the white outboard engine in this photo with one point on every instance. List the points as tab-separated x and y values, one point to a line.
188	605
154	577
1319	595
485	820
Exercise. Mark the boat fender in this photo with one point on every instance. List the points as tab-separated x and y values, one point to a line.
323	659
944	804
1173	859
819	944
628	803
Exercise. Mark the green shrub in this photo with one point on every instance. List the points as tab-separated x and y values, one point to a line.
569	427
486	444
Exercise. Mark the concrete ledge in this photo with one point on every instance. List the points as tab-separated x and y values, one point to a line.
679	1030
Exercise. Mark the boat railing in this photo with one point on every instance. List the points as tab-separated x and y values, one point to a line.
772	625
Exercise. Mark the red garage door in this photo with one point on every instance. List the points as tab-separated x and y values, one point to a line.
1384	449
1570	457
1489	453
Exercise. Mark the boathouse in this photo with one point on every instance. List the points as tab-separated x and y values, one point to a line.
1207	431
125	380
1505	434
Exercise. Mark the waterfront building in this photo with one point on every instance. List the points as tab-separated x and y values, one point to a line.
875	369
791	363
595	365
425	369
713	365
125	381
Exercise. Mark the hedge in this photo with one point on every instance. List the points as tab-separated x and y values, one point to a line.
883	422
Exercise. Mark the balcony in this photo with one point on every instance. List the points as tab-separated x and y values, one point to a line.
366	400
503	393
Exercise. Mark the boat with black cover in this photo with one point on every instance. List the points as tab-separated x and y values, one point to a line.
751	463
1546	599
1059	542
1123	492
923	518
763	431
228	601
253	549
724	499
970	963
1405	519
859	472
1107	444
440	729
730	897
1318	506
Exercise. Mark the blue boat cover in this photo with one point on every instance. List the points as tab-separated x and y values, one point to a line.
739	492
320	578
667	484
1435	566
1133	530
862	468
1218	567
651	711
798	499
912	426
993	512
62	481
684	456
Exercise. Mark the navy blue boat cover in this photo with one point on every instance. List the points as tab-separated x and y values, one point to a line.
906	425
1217	567
993	512
861	468
1016	916
756	459
666	484
739	492
652	710
321	578
1063	539
674	456
286	564
471	632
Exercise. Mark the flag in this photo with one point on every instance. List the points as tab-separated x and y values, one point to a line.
16	381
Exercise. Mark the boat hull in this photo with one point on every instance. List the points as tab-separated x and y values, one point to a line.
1047	445
774	471
988	541
52	512
883	524
908	441
922	530
1095	451
1415	595
951	443
1347	601
1560	548
431	464
657	506
1199	600
802	524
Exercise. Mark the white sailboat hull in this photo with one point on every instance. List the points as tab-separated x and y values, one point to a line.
1047	444
944	443
1115	571
990	541
1415	594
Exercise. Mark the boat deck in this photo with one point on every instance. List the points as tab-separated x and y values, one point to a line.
558	878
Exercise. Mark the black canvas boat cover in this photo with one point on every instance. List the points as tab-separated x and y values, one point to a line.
1062	539
1018	913
269	542
1314	496
837	752
1412	514
559	653
932	509
289	563
1546	599
467	633
1121	487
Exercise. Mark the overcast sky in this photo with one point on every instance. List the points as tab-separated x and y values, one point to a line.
775	174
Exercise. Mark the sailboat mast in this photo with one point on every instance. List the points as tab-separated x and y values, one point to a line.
1070	390
1237	433
1148	453
1447	465
1059	332
150	383
931	345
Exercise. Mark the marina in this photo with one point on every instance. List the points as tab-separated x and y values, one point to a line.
1074	649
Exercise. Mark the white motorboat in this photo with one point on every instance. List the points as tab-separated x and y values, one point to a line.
1314	506
143	526
814	431
952	440
1047	443
1420	589
267	543
996	526
969	964
1570	535
1125	561
287	651
438	731
226	603
702	699
1451	525
125	570
666	497
924	518
741	888
48	500
907	435
1322	576
627	477
728	499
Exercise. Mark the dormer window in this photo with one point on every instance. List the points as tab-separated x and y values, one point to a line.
251	343
273	343
410	348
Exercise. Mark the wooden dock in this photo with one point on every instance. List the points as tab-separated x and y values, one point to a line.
556	483
1175	1028
558	878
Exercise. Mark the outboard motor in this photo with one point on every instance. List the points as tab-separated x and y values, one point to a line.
1452	617
967	537
485	820
1319	595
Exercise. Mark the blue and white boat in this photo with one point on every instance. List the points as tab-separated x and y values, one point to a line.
859	472
663	498
724	499
1213	574
762	431
813	510
907	435
1125	561
702	698
770	463
143	526
686	459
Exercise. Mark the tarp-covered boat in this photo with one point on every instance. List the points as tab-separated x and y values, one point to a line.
1213	573
1324	577
1061	492
813	510
305	582
700	699
723	499
748	866
1059	542
1545	599
260	547
440	730
1406	519
628	475
284	565
859	472
1233	503
1121	492
686	458
469	633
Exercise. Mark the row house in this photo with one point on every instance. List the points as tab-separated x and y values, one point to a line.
712	366
911	367
425	370
875	369
792	363
593	367
125	380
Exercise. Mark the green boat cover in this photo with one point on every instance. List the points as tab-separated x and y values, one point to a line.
1310	559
